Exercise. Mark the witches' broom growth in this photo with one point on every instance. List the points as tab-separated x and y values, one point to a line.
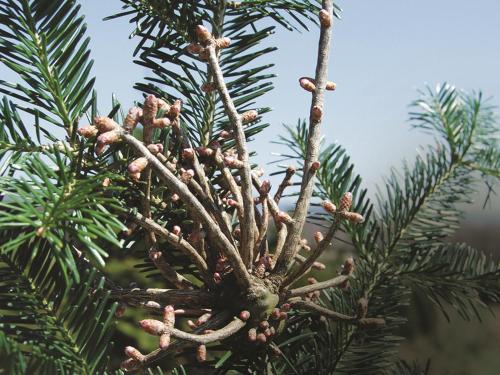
184	194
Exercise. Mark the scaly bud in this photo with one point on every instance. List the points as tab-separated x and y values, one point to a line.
135	176
267	332
244	315
175	198
186	175
283	315
348	267
232	203
331	86
169	317
217	277
175	109
132	352
232	162
134	115
164	341
318	266
163	105
130	364
205	151
249	116
307	84
225	134
108	138
283	217
208	87
161	123
138	165
105	124
252	334
329	207
153	304
261	338
316	113
312	280
259	172
315	165
201	353
194	48
324	18
156	148
203	34
188	154
276	314
318	237
176	230
345	202
153	327
222	42
204	54
304	245
354	217
149	110
264	324
265	187
88	131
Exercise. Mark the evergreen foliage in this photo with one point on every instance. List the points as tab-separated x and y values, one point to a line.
65	208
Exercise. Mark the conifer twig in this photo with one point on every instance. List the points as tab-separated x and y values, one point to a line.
336	281
248	224
239	268
313	142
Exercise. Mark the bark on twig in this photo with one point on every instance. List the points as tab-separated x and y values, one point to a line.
214	232
313	143
336	281
248	224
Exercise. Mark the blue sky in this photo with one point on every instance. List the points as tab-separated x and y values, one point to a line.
383	52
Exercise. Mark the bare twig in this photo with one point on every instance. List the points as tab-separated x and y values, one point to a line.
220	334
316	253
311	306
330	314
313	142
157	354
179	298
176	241
239	268
247	243
336	281
290	171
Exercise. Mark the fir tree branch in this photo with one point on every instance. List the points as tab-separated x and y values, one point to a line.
306	189
247	238
242	275
336	281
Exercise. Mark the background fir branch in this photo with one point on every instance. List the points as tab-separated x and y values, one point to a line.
52	327
44	42
415	216
49	201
